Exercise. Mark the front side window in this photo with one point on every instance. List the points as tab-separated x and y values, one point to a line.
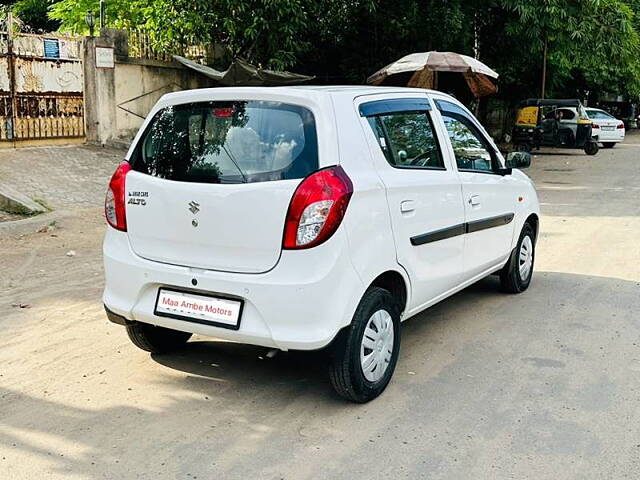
407	139
229	142
471	150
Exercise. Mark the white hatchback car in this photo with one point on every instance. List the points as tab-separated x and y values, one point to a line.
310	217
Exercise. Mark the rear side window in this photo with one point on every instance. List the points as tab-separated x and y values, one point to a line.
407	139
229	142
599	115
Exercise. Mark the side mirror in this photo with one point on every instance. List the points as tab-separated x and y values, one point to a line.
519	160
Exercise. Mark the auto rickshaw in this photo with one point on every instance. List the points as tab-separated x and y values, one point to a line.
553	123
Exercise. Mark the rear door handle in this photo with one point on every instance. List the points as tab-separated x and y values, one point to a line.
407	206
474	200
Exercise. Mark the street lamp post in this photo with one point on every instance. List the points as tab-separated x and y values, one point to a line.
103	14
90	20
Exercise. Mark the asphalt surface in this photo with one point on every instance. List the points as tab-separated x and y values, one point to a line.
542	385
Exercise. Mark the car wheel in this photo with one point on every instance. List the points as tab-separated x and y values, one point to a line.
591	148
524	147
516	275
364	355
608	144
156	339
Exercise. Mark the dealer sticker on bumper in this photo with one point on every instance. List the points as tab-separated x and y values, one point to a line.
223	312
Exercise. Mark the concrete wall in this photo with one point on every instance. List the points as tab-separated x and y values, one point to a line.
118	99
99	94
138	86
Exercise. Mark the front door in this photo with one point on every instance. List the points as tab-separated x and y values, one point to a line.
423	195
489	197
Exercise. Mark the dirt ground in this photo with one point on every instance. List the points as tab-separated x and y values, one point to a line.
543	385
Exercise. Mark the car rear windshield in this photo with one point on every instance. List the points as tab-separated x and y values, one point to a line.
229	142
599	115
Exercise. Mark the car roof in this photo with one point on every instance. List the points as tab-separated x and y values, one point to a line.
298	91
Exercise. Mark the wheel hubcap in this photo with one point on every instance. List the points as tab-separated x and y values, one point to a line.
376	348
525	259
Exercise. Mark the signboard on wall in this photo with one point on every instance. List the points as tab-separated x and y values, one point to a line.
64	48
51	47
104	57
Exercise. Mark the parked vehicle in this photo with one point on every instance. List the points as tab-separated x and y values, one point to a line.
553	123
310	217
622	109
607	129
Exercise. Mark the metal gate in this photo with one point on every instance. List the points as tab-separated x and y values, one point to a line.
40	88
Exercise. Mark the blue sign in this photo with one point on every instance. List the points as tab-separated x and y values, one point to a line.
51	48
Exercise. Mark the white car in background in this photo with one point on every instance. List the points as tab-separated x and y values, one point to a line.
607	129
310	217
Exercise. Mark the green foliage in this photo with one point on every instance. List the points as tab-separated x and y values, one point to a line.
595	41
121	13
33	15
593	45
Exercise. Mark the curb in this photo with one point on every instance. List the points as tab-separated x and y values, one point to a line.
31	224
13	201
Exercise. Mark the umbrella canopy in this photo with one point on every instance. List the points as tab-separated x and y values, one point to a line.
245	74
425	64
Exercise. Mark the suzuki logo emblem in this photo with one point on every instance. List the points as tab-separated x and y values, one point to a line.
194	207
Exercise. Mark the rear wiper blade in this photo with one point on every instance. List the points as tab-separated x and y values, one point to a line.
244	177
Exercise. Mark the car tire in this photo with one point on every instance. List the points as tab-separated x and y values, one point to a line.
156	339
364	356
516	275
591	148
608	144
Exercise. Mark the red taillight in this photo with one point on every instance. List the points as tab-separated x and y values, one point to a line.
114	202
620	125
595	125
317	208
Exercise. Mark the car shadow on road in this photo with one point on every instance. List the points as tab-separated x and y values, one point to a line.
211	363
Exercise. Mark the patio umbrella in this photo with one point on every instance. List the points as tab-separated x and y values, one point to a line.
425	66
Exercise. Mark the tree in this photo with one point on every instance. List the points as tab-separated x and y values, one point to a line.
592	45
594	40
33	15
272	34
70	14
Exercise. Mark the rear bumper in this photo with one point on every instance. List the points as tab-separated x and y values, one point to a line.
115	318
300	304
614	136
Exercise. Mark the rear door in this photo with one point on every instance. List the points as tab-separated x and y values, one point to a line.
568	125
489	197
423	194
212	181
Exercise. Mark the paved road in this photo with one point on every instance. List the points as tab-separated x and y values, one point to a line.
60	177
544	385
